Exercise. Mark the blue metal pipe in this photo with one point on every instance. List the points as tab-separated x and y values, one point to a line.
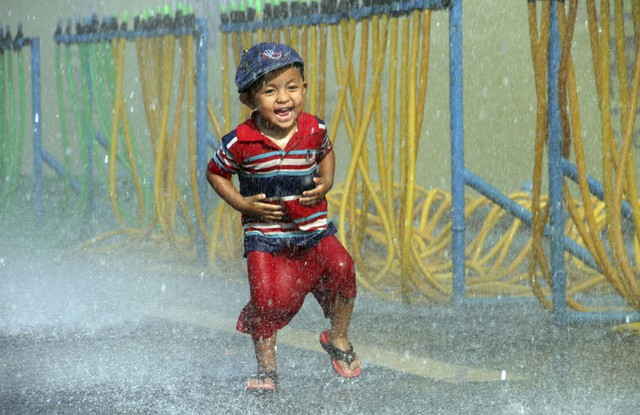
201	123
37	132
101	37
59	168
556	216
525	216
457	150
334	17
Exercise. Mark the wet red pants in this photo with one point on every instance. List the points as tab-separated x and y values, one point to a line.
280	282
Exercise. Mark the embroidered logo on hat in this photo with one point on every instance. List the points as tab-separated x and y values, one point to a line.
272	54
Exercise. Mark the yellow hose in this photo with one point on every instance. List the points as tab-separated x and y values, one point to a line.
322	70
167	47
406	208
226	96
118	59
539	48
145	58
620	254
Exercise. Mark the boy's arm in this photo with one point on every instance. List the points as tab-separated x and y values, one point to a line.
251	205
324	181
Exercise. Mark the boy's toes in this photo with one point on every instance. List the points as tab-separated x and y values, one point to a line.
350	370
263	380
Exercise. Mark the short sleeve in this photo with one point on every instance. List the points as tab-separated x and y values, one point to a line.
325	146
223	163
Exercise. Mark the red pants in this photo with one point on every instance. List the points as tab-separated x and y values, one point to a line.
280	282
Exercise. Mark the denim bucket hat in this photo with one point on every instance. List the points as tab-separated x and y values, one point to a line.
261	59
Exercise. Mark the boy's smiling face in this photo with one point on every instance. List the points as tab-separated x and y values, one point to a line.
279	99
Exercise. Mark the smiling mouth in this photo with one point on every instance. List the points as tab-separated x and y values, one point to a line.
283	112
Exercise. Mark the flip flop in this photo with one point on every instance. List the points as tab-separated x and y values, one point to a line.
339	355
263	375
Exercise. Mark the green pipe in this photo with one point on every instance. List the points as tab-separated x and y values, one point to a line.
62	115
87	135
11	120
102	98
4	134
84	185
13	129
148	197
9	131
22	119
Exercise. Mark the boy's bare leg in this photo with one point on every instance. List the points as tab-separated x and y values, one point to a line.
339	329
266	355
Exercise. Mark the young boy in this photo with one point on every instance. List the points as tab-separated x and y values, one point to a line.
285	165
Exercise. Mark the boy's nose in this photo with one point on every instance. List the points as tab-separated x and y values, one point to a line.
282	96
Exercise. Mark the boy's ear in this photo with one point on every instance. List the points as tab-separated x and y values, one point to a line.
247	100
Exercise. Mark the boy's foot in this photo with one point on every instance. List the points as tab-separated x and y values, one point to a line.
263	380
343	357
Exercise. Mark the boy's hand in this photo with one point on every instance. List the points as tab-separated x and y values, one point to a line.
254	206
315	195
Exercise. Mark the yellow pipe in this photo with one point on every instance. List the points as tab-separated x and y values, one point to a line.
148	98
623	82
404	74
389	191
424	73
357	149
598	252
157	65
407	205
118	59
135	175
322	67
313	69
594	39
171	193
339	70
609	154
621	58
214	120
605	114
625	151
226	96
165	93
566	28
383	170
357	233
539	47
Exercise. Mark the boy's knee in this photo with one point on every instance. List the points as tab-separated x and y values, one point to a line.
277	307
344	265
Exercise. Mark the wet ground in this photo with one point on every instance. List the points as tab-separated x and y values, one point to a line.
116	333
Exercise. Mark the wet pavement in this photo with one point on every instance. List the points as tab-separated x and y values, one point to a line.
120	333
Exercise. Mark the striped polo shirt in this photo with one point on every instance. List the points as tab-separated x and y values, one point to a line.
282	175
